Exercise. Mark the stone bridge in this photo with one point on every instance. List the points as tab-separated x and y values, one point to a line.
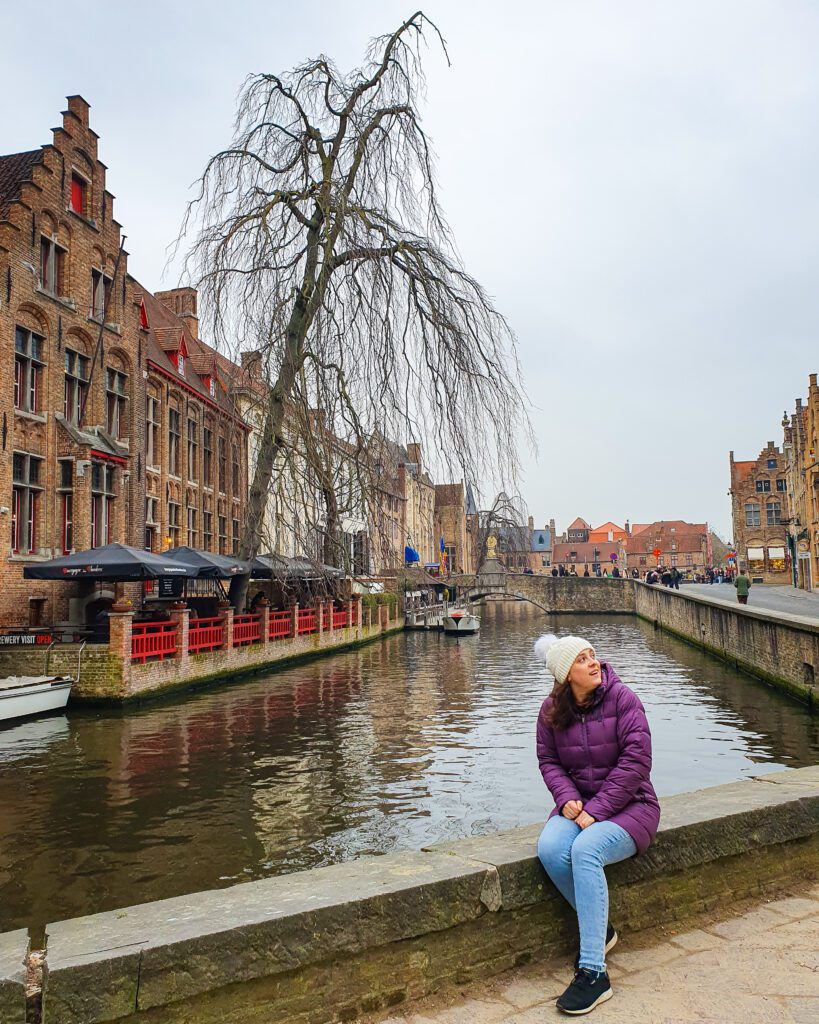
554	594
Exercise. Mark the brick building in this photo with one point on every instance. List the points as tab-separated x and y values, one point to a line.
799	448
759	504
684	546
451	524
580	555
194	461
79	351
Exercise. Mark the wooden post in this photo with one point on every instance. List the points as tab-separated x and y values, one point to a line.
294	628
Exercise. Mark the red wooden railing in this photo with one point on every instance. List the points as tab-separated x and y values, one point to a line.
247	629
308	621
153	640
340	619
206	634
328	617
280	624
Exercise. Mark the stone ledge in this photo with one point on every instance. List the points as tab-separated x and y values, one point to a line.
104	966
444	913
13	952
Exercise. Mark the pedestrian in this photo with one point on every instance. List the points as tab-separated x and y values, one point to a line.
594	752
615	572
586	571
554	570
743	585
676	576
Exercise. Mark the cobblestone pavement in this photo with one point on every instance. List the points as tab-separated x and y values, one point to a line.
761	967
766	598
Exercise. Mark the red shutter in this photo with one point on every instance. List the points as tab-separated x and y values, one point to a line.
143	315
77	195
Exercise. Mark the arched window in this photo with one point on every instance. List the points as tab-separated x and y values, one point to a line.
752	511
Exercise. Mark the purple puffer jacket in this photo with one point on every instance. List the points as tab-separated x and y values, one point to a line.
604	759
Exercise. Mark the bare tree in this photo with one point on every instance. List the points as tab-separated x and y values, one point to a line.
319	240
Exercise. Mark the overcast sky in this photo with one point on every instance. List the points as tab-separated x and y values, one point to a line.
635	184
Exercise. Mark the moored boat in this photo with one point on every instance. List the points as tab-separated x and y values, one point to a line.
460	622
23	696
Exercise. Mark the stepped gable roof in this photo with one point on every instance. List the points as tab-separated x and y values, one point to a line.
14	170
579	524
165	332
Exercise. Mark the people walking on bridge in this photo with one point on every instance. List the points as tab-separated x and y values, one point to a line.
594	752
743	585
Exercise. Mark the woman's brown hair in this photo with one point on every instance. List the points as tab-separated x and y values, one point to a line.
562	712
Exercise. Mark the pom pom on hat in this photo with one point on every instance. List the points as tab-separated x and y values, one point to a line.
558	655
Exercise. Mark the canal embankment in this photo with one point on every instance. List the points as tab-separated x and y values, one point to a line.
780	649
327	944
148	659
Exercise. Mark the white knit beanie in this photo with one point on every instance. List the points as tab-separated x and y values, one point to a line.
558	655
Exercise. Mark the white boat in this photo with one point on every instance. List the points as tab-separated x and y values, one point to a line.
22	696
460	622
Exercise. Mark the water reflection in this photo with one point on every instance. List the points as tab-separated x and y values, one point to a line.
416	739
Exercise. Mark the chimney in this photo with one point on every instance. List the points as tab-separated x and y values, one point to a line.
252	360
414	454
531	522
628	528
79	108
182	302
552	529
813	380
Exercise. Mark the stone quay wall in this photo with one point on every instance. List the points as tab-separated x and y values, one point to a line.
325	945
780	649
563	595
108	672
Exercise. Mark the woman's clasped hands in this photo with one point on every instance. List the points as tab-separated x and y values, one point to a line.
573	809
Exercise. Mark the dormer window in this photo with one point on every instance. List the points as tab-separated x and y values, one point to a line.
143	315
212	387
79	195
181	356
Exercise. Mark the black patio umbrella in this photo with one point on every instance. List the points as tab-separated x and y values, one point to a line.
218	566
265	567
115	563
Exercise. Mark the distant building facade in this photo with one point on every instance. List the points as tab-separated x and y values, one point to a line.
680	545
759	506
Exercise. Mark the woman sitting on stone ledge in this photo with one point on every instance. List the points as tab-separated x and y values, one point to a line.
594	751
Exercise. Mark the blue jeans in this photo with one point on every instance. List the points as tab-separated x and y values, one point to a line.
574	859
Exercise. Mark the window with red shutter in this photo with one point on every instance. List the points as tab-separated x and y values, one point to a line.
79	194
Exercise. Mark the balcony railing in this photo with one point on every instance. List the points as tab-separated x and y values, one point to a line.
206	634
153	641
247	629
281	624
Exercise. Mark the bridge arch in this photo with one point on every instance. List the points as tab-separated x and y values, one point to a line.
507	594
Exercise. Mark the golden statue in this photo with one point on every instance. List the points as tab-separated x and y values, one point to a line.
491	544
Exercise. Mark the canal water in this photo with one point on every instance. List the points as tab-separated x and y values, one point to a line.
409	741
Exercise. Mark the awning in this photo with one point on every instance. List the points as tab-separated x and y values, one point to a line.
756	554
115	563
218	566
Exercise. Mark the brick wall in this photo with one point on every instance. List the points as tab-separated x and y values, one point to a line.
785	654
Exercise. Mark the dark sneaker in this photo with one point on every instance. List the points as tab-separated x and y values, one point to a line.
588	990
611	942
